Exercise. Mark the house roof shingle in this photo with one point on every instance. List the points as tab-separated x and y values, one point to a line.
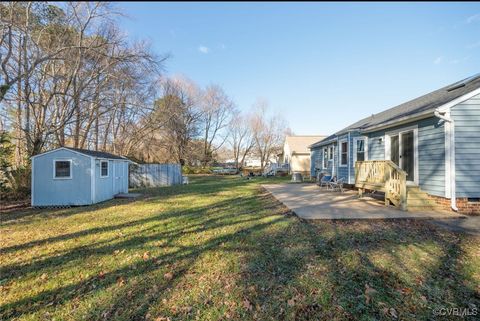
94	153
423	104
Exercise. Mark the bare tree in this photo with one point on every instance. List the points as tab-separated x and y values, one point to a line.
217	111
180	111
95	80
241	138
268	132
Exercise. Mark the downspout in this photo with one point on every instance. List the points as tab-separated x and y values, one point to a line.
451	136
348	156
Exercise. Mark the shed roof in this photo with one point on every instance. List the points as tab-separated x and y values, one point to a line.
300	144
87	152
95	153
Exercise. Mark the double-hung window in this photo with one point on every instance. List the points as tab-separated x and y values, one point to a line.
325	158
344	153
360	150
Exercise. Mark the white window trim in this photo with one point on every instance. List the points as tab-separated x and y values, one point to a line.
398	132
340	152
365	147
331	156
108	168
62	160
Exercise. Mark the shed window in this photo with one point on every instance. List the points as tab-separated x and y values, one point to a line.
325	158
104	168
63	169
344	153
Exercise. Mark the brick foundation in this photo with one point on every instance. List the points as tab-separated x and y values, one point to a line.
464	206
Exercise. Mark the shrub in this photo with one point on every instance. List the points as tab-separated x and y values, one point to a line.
196	170
14	182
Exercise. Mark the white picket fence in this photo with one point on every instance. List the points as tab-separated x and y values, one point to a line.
154	175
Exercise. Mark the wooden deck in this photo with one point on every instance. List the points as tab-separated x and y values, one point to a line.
384	176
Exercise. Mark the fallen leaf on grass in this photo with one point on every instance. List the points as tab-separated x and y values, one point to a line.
405	291
120	280
291	302
116	252
187	309
247	305
146	256
101	275
393	313
44	276
369	291
168	276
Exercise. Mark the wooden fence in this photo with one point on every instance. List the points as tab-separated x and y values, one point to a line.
154	175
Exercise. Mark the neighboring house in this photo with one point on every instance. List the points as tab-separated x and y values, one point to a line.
433	139
254	161
296	153
69	176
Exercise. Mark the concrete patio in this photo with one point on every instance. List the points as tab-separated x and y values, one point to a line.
309	201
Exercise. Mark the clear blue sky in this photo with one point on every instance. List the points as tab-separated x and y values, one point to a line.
322	65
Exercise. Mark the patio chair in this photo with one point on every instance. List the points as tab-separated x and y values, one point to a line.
324	181
337	184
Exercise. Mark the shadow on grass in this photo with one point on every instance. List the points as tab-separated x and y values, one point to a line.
325	271
293	269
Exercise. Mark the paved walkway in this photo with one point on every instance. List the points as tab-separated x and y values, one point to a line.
471	225
310	202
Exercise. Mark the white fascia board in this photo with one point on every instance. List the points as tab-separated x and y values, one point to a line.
61	148
459	100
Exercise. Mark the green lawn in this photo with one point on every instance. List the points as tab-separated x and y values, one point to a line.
222	248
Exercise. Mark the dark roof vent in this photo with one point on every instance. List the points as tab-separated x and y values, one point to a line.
463	83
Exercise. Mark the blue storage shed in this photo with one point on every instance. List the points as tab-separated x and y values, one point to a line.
70	176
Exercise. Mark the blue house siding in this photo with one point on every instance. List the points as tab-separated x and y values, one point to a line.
431	152
315	159
466	117
47	191
376	145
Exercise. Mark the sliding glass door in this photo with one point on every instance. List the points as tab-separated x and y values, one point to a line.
402	152
407	157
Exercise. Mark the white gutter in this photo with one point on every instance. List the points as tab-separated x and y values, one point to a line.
450	146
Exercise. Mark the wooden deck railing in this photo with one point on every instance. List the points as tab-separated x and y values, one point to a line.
385	176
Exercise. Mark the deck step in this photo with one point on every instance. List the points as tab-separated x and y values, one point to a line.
418	200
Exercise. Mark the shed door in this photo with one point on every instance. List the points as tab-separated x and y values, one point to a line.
119	177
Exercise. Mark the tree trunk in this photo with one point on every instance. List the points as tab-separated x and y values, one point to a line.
26	96
19	132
